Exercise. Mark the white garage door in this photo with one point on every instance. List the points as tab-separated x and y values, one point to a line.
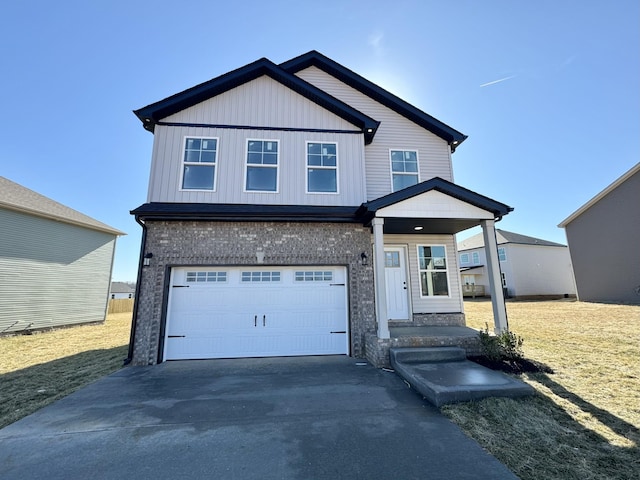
256	312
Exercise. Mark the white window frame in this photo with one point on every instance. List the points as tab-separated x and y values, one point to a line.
212	164
502	254
247	165
417	174
446	270
321	167
463	256
476	258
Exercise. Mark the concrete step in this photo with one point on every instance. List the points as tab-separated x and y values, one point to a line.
427	354
442	376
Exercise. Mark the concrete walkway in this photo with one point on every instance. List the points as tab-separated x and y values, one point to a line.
277	418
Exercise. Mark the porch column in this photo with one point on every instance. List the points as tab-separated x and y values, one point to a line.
495	282
378	272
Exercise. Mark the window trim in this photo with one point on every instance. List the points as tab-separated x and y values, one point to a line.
214	164
246	165
417	174
475	258
504	254
306	170
466	255
446	270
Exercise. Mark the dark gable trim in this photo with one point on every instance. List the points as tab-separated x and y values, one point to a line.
152	114
435	126
252	127
367	210
245	213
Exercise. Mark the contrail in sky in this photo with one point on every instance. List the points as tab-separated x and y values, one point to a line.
497	81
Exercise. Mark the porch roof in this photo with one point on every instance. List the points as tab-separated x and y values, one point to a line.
433	206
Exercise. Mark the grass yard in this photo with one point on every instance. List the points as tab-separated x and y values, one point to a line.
36	370
584	422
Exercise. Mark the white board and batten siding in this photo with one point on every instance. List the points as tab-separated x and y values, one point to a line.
395	132
262	102
436	304
51	273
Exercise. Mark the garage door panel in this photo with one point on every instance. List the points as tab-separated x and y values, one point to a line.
256	311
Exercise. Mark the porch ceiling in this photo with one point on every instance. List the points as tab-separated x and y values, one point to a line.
429	225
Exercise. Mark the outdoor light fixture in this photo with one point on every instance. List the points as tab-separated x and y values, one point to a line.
363	259
147	259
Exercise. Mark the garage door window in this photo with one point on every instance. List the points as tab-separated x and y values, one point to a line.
314	276
206	277
260	276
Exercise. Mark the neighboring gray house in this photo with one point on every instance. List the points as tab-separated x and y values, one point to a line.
275	193
530	267
121	290
604	241
55	262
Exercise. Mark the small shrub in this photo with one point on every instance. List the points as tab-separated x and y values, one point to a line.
503	346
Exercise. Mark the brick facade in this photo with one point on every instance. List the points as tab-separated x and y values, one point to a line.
183	243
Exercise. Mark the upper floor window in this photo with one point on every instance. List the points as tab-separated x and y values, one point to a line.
404	168
322	168
262	166
464	258
476	258
502	254
199	163
433	270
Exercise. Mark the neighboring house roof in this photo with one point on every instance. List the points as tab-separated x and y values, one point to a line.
151	115
435	126
634	170
121	287
503	237
18	198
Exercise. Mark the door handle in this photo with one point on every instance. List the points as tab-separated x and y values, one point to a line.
264	320
255	320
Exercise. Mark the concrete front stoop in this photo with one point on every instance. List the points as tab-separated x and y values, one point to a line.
444	375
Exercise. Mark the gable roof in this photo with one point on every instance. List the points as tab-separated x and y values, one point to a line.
504	237
379	94
121	287
498	209
152	114
18	198
633	171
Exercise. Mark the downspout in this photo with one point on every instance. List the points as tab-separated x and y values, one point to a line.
134	320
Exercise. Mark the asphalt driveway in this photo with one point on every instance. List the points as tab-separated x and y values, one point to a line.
271	418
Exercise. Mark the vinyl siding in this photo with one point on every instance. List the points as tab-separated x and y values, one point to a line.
167	167
451	304
395	132
51	273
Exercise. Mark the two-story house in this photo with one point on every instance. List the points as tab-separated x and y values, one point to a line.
299	209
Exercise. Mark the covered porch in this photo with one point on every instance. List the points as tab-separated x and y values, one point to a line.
413	229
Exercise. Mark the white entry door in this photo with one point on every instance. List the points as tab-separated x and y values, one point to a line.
395	273
256	312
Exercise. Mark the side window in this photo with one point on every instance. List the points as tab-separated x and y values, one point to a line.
322	167
476	258
404	168
502	254
199	163
433	270
262	166
464	258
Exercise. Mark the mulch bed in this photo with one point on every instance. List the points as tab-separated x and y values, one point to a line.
516	366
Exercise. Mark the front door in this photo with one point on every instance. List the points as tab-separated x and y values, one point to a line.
395	273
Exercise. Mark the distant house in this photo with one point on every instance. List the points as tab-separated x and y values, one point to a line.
604	241
530	267
121	290
55	262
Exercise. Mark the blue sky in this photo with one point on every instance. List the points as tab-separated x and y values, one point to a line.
548	91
